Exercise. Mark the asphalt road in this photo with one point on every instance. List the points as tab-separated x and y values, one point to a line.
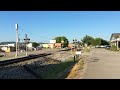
102	64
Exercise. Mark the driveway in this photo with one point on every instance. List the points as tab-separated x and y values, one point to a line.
102	64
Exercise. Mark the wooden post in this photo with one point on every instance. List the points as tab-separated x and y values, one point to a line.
74	58
117	46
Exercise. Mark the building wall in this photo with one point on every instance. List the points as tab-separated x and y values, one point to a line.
48	45
29	45
52	41
57	45
70	45
4	48
8	45
45	45
8	49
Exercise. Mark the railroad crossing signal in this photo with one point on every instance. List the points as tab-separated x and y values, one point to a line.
26	39
26	42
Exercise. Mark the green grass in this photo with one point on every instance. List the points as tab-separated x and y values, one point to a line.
8	57
3	58
52	73
113	48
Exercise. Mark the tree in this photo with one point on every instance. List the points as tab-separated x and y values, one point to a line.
88	40
93	42
58	39
62	38
104	42
34	44
98	41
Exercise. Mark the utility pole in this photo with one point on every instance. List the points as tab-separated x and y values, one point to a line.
16	27
26	49
18	44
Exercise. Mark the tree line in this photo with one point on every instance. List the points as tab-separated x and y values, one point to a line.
89	40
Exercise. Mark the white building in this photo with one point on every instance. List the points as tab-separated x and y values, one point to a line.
29	45
53	41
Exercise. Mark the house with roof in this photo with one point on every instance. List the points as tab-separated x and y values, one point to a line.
115	40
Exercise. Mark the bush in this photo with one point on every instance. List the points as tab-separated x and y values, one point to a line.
86	49
113	48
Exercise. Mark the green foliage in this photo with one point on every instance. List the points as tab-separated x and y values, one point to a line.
98	41
86	49
34	44
55	70
93	43
88	40
60	38
104	42
113	48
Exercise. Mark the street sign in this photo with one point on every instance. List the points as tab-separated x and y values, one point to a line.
78	52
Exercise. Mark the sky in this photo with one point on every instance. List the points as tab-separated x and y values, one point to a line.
42	26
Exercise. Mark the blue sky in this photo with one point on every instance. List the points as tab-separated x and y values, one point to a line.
41	26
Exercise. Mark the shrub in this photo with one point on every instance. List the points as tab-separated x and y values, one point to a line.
113	48
86	49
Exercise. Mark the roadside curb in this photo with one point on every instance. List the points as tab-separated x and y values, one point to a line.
83	71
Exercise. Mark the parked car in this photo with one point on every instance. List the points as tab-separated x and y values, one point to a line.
107	47
97	46
102	46
37	48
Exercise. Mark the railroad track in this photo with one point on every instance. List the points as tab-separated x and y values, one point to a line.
16	60
29	57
